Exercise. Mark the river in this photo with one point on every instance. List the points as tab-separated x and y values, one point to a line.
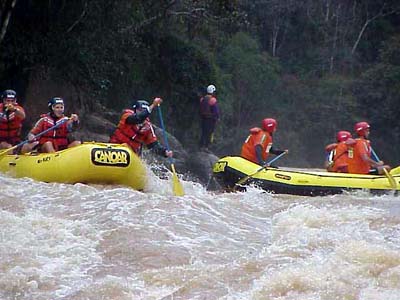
81	242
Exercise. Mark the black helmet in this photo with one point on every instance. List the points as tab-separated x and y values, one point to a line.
9	94
141	104
54	101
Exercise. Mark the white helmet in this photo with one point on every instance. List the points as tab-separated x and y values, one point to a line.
211	89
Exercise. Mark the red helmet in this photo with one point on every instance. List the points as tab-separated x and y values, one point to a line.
343	136
360	128
269	125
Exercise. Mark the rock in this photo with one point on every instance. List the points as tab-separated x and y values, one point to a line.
98	124
201	164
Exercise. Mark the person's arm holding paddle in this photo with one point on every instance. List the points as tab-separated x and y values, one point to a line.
273	150
142	111
276	152
259	144
32	139
15	108
136	130
151	142
73	122
39	128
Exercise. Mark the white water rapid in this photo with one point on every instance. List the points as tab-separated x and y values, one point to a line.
80	242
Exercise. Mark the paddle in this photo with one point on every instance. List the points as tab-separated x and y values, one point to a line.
176	184
391	179
244	179
36	136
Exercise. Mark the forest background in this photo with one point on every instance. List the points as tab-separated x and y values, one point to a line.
317	66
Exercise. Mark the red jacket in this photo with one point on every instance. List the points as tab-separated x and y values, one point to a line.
135	135
209	107
10	125
57	136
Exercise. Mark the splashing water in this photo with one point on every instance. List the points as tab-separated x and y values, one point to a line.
60	241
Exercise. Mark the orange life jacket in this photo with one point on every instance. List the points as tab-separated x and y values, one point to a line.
58	136
135	135
257	137
356	164
340	158
10	125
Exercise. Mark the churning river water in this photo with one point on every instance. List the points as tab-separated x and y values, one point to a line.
81	242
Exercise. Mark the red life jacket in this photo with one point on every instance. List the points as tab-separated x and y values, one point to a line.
57	136
10	125
206	103
135	135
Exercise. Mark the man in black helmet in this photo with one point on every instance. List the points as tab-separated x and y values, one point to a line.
11	118
136	130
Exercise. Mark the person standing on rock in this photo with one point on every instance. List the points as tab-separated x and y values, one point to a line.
136	130
209	115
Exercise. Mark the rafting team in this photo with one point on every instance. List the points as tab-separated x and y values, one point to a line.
51	133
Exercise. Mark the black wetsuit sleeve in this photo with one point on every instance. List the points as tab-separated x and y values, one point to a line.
137	118
157	148
275	151
259	155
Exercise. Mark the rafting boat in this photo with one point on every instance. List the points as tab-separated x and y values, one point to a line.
98	163
228	171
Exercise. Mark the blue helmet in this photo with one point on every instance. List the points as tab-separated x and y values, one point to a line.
9	94
141	104
54	101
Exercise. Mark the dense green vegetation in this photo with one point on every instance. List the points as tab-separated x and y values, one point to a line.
317	66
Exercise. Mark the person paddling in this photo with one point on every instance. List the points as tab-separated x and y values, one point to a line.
259	143
11	117
57	139
136	130
360	161
337	153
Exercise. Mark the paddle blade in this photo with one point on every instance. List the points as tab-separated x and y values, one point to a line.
243	180
177	187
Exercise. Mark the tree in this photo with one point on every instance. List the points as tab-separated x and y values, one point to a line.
378	91
6	8
371	11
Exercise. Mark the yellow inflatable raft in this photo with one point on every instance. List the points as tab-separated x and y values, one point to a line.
228	171
98	163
